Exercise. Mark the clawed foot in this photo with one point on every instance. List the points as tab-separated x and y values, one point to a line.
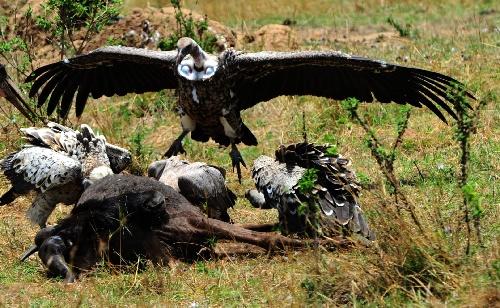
175	149
237	160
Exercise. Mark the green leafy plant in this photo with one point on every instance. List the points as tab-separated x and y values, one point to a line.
310	209
187	26
64	18
404	31
141	151
308	180
332	150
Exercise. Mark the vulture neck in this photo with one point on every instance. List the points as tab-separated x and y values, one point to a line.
199	57
186	46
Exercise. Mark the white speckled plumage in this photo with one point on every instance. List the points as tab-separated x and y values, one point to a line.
56	163
335	190
45	168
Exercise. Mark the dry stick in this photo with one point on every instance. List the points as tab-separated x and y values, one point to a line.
28	45
304	130
71	39
24	37
87	33
419	172
463	174
467	125
15	62
386	165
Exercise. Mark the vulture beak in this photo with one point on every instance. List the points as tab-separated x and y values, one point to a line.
29	252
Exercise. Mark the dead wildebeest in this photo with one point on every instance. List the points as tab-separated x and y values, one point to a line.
122	218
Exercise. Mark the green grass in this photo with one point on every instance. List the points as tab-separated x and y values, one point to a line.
403	268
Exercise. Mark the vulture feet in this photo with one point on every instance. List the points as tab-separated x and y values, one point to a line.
237	160
176	147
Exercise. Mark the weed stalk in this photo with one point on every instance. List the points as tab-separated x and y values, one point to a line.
466	125
385	159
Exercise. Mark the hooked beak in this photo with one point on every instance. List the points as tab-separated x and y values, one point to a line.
33	248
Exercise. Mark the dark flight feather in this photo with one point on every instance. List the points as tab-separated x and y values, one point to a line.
104	67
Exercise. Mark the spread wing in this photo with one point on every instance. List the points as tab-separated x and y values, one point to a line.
41	167
108	71
11	93
261	76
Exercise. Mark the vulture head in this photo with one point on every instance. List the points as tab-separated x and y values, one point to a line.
192	62
96	164
119	158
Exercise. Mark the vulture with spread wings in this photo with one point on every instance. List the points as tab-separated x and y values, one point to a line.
213	90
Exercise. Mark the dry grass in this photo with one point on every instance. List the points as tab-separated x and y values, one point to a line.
404	267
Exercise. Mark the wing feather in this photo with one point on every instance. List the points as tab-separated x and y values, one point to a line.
82	94
49	87
44	76
56	94
97	83
105	71
44	167
380	91
432	93
260	76
68	95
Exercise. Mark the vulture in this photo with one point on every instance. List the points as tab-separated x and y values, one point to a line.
12	94
58	163
314	192
203	185
213	90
